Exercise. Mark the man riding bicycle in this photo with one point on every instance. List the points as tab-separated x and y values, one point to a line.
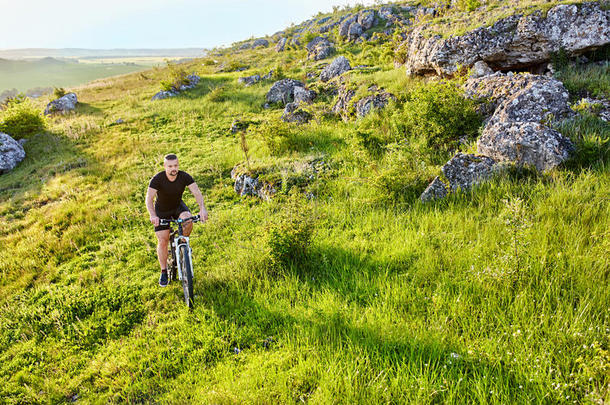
168	186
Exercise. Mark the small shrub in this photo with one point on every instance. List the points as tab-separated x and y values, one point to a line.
21	119
468	5
281	137
177	76
289	233
438	113
401	177
59	92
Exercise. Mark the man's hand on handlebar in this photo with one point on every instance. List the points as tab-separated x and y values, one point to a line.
154	220
203	215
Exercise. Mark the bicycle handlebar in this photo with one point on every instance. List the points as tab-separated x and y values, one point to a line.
163	221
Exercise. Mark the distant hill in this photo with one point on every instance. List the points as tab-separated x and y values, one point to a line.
106	53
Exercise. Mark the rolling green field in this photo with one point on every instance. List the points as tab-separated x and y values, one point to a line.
498	295
50	72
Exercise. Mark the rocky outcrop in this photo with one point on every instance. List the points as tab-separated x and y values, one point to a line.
460	173
282	91
260	43
344	97
294	113
249	80
525	143
281	44
373	102
515	42
345	24
354	31
193	80
319	48
11	153
302	95
62	104
337	67
247	185
523	107
366	18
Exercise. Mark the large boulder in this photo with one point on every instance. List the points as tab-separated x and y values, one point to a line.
260	42
514	42
62	104
164	94
282	91
460	173
11	153
525	143
523	106
294	113
522	97
337	67
319	48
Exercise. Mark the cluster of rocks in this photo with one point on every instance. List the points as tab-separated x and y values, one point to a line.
292	94
246	184
514	42
351	27
296	173
518	131
62	105
193	80
377	99
250	80
319	48
257	43
11	152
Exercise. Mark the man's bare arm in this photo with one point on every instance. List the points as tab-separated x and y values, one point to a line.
150	196
203	212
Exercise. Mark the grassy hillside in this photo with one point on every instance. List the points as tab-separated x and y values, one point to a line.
499	295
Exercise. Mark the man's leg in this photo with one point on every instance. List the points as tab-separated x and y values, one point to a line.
188	227
162	242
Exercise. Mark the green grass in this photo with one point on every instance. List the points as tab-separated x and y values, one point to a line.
396	302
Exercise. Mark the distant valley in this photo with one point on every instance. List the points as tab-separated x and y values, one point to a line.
36	71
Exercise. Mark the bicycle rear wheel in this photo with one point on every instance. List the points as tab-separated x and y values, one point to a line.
187	275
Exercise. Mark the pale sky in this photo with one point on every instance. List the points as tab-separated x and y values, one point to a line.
149	23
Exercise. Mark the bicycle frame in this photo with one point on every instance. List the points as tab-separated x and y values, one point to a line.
177	240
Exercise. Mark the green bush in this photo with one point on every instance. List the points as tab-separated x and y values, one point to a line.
468	5
439	114
177	76
281	137
21	119
401	177
59	92
289	233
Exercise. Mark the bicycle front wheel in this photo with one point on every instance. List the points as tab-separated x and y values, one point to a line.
187	275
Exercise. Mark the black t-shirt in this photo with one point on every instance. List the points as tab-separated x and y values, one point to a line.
169	193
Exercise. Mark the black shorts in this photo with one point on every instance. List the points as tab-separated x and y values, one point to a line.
170	215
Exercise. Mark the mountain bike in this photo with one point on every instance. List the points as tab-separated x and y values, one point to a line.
179	259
